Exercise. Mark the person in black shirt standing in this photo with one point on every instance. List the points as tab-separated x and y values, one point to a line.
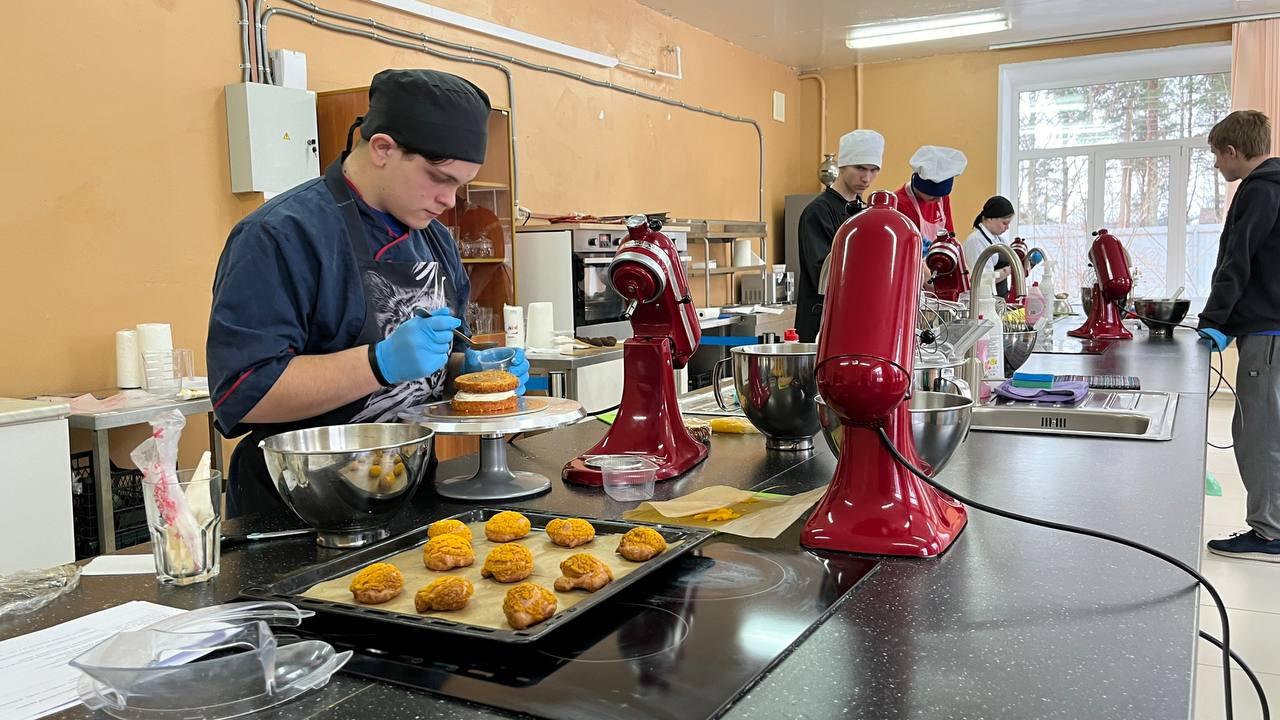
861	153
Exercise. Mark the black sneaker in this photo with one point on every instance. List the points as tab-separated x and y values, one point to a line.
1248	545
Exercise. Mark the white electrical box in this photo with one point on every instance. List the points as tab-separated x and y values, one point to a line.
272	138
289	68
779	106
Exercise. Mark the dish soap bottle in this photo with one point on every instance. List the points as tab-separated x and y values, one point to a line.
993	360
1035	304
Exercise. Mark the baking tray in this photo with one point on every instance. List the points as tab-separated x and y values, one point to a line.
290	587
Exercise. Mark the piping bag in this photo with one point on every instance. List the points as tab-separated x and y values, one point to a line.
157	458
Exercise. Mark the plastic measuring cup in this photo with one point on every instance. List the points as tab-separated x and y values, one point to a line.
628	477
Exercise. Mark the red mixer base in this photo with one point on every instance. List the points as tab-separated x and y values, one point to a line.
877	507
1104	322
648	421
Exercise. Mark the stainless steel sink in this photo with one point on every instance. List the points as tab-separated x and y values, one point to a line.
1109	414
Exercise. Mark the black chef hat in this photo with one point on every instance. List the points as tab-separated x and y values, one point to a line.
433	114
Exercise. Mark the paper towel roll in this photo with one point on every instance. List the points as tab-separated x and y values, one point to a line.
743	253
541	326
513	325
153	337
128	360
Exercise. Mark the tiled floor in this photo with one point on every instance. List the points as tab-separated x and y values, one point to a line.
1250	589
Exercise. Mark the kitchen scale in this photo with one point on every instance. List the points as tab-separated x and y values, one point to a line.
494	479
687	642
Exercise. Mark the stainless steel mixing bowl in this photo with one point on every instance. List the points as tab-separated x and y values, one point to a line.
776	386
939	425
348	481
1161	315
1018	346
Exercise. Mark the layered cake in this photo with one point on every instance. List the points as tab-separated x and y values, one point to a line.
485	393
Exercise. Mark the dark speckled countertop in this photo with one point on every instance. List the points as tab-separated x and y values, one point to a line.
1012	622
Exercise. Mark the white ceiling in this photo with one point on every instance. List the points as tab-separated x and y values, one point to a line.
811	33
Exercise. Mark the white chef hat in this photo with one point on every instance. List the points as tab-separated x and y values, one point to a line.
935	167
861	147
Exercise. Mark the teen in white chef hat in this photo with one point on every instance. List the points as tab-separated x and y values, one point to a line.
861	152
925	198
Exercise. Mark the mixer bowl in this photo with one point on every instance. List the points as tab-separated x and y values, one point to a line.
1086	299
776	386
348	481
1018	346
939	425
1161	316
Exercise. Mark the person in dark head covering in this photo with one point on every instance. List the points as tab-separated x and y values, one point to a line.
989	228
337	301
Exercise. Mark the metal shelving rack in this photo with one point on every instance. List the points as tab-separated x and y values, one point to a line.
709	231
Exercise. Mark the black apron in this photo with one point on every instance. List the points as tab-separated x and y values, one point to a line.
391	291
1002	287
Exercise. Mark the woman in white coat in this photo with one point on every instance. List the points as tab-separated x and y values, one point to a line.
988	228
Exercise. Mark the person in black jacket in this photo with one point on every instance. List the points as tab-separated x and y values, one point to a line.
861	153
1244	304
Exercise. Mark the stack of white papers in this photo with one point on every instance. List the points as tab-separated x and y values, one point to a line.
35	679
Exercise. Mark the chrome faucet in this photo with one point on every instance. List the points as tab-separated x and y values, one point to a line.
972	367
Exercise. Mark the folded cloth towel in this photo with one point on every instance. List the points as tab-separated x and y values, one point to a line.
1068	393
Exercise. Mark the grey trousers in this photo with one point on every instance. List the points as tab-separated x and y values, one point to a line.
1255	430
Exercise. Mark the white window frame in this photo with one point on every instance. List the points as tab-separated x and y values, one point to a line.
1017	78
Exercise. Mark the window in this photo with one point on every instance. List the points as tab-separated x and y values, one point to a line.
1119	141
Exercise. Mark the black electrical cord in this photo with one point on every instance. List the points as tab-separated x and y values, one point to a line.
1213	592
1234	395
1257	685
1217	371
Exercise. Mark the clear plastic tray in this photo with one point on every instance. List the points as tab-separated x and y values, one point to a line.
213	663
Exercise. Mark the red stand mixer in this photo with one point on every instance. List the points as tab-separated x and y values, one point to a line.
950	271
865	361
1019	248
647	272
1111	265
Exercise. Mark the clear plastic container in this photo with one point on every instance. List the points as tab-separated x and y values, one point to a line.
161	672
628	477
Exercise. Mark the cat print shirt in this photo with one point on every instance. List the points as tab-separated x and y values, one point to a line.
288	284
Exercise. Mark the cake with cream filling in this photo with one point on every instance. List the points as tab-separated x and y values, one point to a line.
485	393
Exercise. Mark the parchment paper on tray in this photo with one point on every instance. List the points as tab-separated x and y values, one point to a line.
485	607
763	515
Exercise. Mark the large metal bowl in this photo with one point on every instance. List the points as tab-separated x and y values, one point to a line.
1161	316
348	481
939	425
776	386
1018	346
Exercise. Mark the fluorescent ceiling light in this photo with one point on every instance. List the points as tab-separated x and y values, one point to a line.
934	28
501	32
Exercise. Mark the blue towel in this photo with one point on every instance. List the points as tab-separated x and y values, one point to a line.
1068	393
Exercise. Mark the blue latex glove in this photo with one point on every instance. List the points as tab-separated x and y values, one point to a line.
1215	338
1036	257
419	347
519	364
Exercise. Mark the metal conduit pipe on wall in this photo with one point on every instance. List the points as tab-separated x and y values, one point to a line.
245	65
425	39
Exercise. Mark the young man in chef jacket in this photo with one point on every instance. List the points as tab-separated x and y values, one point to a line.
1244	305
861	153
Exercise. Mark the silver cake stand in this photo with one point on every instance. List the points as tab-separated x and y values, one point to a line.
495	480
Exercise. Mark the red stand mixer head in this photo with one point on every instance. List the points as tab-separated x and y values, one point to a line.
1019	248
647	272
950	271
1111	265
865	360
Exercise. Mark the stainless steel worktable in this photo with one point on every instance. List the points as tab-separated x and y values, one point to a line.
1013	622
99	423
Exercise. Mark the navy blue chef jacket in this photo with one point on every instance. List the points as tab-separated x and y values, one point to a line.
287	284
